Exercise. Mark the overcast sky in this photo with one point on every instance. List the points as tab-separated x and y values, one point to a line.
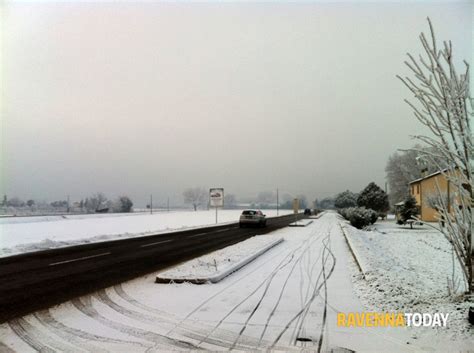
139	98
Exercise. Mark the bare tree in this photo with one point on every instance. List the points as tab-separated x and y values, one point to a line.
405	166
195	196
15	202
445	107
402	168
95	202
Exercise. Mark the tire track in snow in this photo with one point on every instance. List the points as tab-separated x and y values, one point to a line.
303	300
196	333
315	294
267	279
103	297
269	282
206	301
198	308
279	297
72	334
45	321
297	330
29	338
35	338
299	326
323	325
308	242
125	296
148	336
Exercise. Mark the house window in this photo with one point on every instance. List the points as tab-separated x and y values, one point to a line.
417	188
413	190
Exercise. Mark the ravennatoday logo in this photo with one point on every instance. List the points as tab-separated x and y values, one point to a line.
374	319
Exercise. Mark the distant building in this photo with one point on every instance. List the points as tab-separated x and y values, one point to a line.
426	191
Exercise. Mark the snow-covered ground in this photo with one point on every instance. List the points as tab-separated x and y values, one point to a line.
292	292
24	234
407	270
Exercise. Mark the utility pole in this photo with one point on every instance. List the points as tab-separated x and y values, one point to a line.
68	204
278	204
151	204
168	205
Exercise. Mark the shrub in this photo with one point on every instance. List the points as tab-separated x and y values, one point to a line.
359	217
344	212
345	199
373	216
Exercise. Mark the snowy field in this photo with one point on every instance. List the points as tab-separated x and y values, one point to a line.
24	234
408	270
287	299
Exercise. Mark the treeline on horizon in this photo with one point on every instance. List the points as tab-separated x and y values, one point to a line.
402	168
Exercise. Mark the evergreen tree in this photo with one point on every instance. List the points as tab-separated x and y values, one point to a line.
345	199
375	198
409	210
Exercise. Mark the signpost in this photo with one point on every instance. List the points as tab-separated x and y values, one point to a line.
216	198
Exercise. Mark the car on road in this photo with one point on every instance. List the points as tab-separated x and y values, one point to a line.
252	218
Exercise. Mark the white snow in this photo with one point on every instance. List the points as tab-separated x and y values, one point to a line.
263	303
407	270
222	261
24	234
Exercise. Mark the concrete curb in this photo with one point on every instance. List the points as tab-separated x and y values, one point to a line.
301	223
219	276
352	250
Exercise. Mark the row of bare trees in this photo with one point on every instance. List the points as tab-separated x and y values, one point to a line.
97	202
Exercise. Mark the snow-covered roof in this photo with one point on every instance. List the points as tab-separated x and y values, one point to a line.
428	176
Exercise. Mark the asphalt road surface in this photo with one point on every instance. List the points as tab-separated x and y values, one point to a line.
37	280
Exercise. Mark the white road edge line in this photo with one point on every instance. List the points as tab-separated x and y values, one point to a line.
157	242
79	259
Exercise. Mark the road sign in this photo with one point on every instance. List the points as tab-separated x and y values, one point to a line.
216	197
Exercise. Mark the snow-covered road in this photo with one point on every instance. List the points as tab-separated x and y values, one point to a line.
287	299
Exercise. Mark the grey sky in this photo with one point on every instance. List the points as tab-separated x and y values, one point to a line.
133	98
